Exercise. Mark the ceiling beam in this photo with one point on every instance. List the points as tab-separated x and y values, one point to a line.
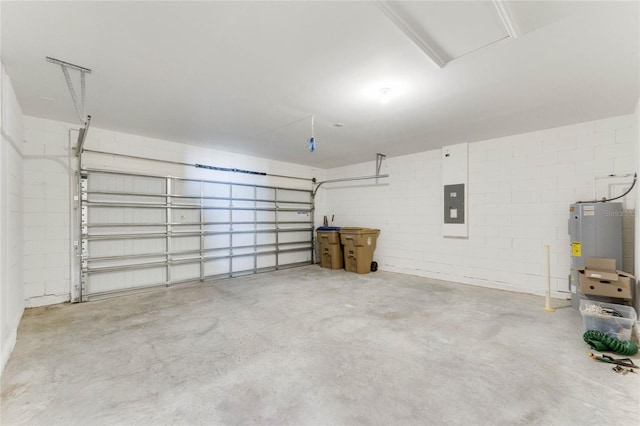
409	30
504	12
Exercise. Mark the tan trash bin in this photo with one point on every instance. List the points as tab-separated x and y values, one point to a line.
359	245
330	247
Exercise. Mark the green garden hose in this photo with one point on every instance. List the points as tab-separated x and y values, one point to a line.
601	342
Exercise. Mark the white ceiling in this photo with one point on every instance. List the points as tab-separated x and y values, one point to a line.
245	77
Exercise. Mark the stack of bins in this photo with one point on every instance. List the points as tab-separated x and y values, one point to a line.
359	245
330	248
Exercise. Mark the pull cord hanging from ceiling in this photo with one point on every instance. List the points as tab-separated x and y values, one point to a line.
312	140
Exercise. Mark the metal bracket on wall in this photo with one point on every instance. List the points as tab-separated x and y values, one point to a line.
80	105
379	158
82	136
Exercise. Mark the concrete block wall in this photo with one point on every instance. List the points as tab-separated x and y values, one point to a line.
49	186
11	244
520	188
47	239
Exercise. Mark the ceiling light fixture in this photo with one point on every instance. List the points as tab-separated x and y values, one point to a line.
338	124
385	94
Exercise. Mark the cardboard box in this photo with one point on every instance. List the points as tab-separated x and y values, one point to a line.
601	278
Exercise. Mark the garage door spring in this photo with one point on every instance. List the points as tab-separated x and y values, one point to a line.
601	342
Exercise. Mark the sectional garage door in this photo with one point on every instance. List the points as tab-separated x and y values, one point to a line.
140	231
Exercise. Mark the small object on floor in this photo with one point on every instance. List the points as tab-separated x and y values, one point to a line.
619	369
620	362
601	342
374	266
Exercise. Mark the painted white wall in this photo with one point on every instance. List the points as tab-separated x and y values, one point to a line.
520	188
49	181
11	290
47	239
519	191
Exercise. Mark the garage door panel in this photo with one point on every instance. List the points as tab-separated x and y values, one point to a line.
140	230
241	191
240	240
124	261
244	204
243	216
266	238
107	282
117	229
263	193
217	241
104	248
285	194
244	250
217	267
179	244
183	228
186	188
110	215
244	227
212	189
213	215
243	264
266	261
178	215
294	257
293	216
288	237
185	272
266	216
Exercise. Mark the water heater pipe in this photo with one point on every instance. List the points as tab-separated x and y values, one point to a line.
610	176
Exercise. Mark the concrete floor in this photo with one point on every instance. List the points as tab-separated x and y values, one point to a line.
312	346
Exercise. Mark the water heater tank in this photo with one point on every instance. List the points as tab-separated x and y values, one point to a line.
595	230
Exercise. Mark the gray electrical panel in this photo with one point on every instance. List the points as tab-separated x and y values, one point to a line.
595	230
454	203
